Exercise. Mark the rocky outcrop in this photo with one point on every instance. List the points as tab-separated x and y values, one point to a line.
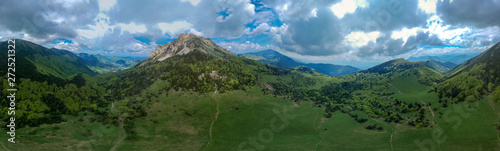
186	43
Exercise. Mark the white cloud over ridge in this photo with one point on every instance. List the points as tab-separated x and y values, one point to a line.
175	27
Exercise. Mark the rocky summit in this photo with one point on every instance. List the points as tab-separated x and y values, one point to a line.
186	43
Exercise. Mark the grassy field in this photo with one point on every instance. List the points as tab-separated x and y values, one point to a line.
462	126
249	120
77	133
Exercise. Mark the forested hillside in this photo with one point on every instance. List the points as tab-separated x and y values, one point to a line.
365	91
199	70
49	85
475	78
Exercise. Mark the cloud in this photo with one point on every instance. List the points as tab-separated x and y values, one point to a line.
100	28
194	31
106	5
331	32
175	27
478	14
347	6
132	28
447	50
264	17
358	39
387	46
70	46
262	28
314	13
427	6
313	36
116	42
193	2
404	34
244	47
204	16
43	19
348	30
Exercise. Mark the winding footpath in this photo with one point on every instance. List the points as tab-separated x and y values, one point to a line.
122	130
216	116
316	128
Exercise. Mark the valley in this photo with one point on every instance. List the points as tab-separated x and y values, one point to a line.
211	99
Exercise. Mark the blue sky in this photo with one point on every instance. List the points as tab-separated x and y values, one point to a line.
361	33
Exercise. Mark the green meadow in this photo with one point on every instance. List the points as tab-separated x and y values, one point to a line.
251	120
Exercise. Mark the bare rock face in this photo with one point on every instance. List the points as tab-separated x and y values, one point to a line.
186	43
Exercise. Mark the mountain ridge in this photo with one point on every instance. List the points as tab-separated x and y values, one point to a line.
275	58
473	79
34	57
186	43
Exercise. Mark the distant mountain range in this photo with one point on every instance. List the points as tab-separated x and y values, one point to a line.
443	63
453	58
275	58
97	62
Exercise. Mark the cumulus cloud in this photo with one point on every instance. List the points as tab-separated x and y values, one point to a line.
358	39
347	30
314	36
174	28
347	6
70	46
193	2
262	28
90	22
132	28
43	19
244	47
106	5
387	46
479	14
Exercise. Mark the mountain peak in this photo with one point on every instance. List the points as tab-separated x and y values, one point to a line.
186	36
186	43
394	65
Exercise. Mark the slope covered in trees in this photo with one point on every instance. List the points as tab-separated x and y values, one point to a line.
45	61
200	70
474	78
367	91
49	85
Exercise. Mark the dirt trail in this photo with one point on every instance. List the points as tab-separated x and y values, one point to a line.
392	128
216	116
316	127
395	88
122	130
428	106
392	134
